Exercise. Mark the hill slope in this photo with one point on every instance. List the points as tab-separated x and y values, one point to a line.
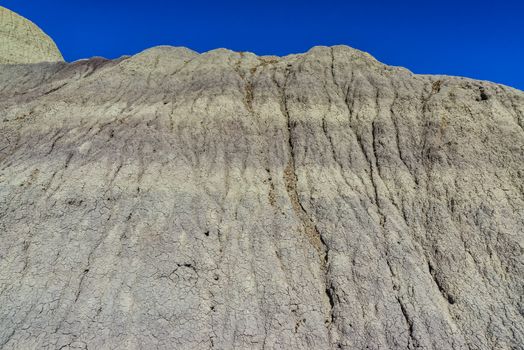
224	200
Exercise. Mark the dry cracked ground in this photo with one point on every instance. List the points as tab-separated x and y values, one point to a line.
175	200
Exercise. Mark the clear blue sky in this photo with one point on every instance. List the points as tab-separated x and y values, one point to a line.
479	39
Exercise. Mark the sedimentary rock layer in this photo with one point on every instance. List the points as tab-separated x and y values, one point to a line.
21	41
175	200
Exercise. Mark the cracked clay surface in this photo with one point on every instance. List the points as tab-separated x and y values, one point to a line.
175	200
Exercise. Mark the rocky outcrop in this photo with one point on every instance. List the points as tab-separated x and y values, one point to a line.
175	200
21	41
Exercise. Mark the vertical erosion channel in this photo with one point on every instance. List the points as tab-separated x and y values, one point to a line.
309	227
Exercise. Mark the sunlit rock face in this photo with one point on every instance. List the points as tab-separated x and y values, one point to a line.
21	41
175	200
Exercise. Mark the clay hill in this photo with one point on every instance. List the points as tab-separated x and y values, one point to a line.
176	200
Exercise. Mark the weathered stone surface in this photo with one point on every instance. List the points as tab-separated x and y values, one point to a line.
21	41
175	200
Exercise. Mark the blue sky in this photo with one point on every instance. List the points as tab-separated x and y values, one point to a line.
478	39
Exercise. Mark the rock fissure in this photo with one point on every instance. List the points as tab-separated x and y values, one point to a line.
248	84
310	229
449	298
413	342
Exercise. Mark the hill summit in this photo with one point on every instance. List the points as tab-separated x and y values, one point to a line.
21	41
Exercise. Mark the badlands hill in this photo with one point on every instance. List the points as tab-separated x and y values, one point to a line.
175	200
21	41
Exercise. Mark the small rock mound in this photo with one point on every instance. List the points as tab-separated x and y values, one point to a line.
21	41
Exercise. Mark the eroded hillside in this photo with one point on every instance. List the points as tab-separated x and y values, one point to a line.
224	200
